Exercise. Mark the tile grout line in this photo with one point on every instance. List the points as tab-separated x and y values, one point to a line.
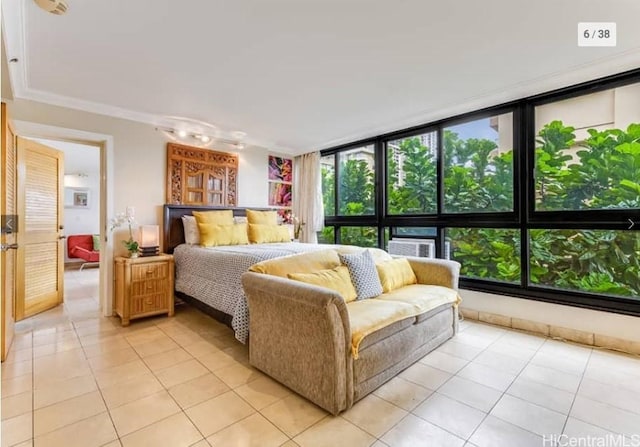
575	396
502	395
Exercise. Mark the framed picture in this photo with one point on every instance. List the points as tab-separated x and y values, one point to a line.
76	198
279	194
280	169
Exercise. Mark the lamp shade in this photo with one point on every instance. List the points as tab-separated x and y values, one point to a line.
149	236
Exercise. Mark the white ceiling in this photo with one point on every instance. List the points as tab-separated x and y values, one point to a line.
300	75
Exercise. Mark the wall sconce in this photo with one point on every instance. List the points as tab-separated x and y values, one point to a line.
149	240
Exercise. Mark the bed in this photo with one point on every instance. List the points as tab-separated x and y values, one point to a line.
209	278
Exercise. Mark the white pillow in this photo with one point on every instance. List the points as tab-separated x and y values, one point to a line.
191	231
240	219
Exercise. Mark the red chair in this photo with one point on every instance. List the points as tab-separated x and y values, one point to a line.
81	246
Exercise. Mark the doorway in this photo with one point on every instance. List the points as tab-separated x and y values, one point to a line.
101	203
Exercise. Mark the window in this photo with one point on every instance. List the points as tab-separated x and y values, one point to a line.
421	232
486	253
326	236
534	198
356	182
478	160
587	153
595	261
411	174
360	236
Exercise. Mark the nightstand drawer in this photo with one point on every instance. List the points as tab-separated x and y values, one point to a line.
149	271
148	303
149	286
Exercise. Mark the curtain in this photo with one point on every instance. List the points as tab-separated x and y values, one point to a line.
307	196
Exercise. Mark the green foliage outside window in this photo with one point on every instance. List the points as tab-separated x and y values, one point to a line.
417	193
488	253
604	174
600	172
356	188
360	236
475	179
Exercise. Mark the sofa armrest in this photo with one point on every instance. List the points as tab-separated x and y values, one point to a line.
299	334
437	272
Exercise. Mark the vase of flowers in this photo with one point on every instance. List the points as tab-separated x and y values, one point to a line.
131	244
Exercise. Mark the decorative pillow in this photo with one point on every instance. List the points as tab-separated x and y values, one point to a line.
262	234
311	261
220	217
364	275
96	242
262	217
337	279
191	231
213	235
395	274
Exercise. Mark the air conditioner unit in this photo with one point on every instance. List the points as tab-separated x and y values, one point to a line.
409	247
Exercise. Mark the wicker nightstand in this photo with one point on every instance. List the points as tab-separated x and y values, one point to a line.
143	286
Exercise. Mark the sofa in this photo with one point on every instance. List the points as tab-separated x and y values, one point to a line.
83	246
334	352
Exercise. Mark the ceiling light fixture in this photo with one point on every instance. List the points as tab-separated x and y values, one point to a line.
201	139
57	7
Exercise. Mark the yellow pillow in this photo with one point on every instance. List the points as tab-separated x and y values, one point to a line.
337	279
213	235
262	217
395	274
261	234
222	217
302	262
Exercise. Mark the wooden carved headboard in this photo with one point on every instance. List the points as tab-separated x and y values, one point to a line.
173	231
198	176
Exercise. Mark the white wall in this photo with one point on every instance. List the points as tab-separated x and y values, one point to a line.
140	159
604	323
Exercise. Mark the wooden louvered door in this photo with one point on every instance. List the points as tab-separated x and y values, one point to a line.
8	237
40	264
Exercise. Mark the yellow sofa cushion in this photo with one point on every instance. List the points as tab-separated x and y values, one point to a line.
213	235
303	262
395	274
220	217
368	316
262	234
337	279
422	297
262	217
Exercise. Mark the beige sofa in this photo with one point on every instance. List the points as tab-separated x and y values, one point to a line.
335	353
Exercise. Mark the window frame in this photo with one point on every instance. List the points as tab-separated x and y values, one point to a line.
523	217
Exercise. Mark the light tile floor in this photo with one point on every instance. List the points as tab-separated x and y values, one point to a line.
76	379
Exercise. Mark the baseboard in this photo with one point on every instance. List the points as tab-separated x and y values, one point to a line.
556	332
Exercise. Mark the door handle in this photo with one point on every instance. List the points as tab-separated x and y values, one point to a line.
7	247
62	237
